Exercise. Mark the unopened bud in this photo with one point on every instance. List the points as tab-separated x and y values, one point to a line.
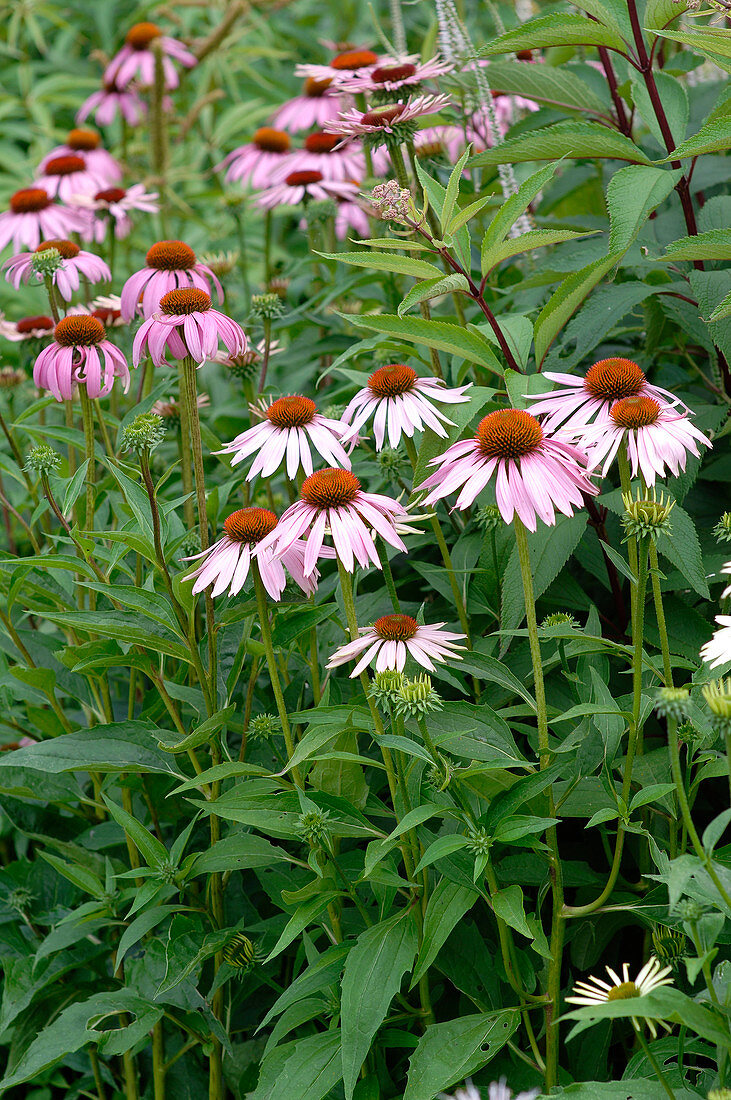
717	695
417	697
313	826
263	726
671	702
385	688
722	530
46	263
669	944
43	459
646	515
266	306
489	518
321	211
144	433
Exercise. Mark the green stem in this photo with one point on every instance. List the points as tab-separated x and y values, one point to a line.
655	1064
388	576
158	1062
398	165
266	637
87	412
556	872
158	133
186	469
267	247
96	1070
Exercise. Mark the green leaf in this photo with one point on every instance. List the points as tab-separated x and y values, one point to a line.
467	343
371	979
118	747
661	13
186	950
74	487
80	876
554	30
665	1003
573	139
139	927
545	84
675	103
304	915
704	39
433	288
450	1052
715	244
386	261
307	1069
517	204
535	238
447	906
202	734
714	137
452	190
465	214
632	194
150	848
436	196
441	847
237	852
122	627
564	302
722	310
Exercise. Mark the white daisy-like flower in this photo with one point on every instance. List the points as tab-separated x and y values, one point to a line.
597	992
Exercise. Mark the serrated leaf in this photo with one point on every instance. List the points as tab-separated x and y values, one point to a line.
535	238
573	139
632	194
714	244
564	302
554	30
467	343
714	137
675	104
307	1068
704	39
507	215
118	747
545	84
433	288
452	190
386	261
372	977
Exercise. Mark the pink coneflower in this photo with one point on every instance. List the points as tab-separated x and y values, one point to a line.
395	74
114	203
105	308
110	100
343	66
69	175
260	160
168	266
27	328
401	402
137	60
316	106
579	400
298	186
351	216
80	353
75	263
658	437
86	144
34	217
291	424
334	499
446	141
201	327
390	119
534	475
392	638
327	154
226	564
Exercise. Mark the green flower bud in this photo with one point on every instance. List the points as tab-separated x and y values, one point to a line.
671	702
391	461
313	827
689	910
144	433
722	530
43	459
46	263
646	515
263	726
559	618
321	211
669	944
488	517
266	306
717	695
242	954
417	697
385	688
479	842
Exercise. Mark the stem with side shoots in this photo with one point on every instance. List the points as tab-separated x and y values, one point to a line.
266	637
638	628
556	872
444	550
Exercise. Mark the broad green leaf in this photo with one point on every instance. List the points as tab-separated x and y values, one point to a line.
119	747
433	288
516	246
447	906
139	927
466	213
632	194
371	979
564	302
80	876
122	627
452	1051
74	487
504	804
491	670
186	950
386	261
452	190
150	848
640	1088
455	340
675	103
545	84
202	733
709	39
319	974
513	207
237	852
554	30
722	310
436	196
715	244
441	847
307	1069
380	848
714	137
659	14
563	139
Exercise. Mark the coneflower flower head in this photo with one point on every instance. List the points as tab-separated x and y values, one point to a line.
169	265
187	324
596	991
80	354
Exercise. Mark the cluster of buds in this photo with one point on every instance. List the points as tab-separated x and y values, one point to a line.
385	688
43	459
439	774
144	433
391	202
646	515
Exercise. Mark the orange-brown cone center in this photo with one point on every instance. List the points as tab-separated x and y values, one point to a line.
291	412
141	35
66	249
382	116
185	300
352	60
29	200
635	412
35	324
391	380
392	73
106	314
83	139
396	628
612	379
249	524
271	141
170	256
302	179
321	143
330	488
80	330
110	194
508	433
315	88
65	166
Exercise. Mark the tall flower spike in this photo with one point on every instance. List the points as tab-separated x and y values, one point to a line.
535	475
290	425
334	499
187	325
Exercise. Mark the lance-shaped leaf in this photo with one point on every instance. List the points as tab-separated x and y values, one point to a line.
465	342
386	261
564	139
433	288
450	1052
554	30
